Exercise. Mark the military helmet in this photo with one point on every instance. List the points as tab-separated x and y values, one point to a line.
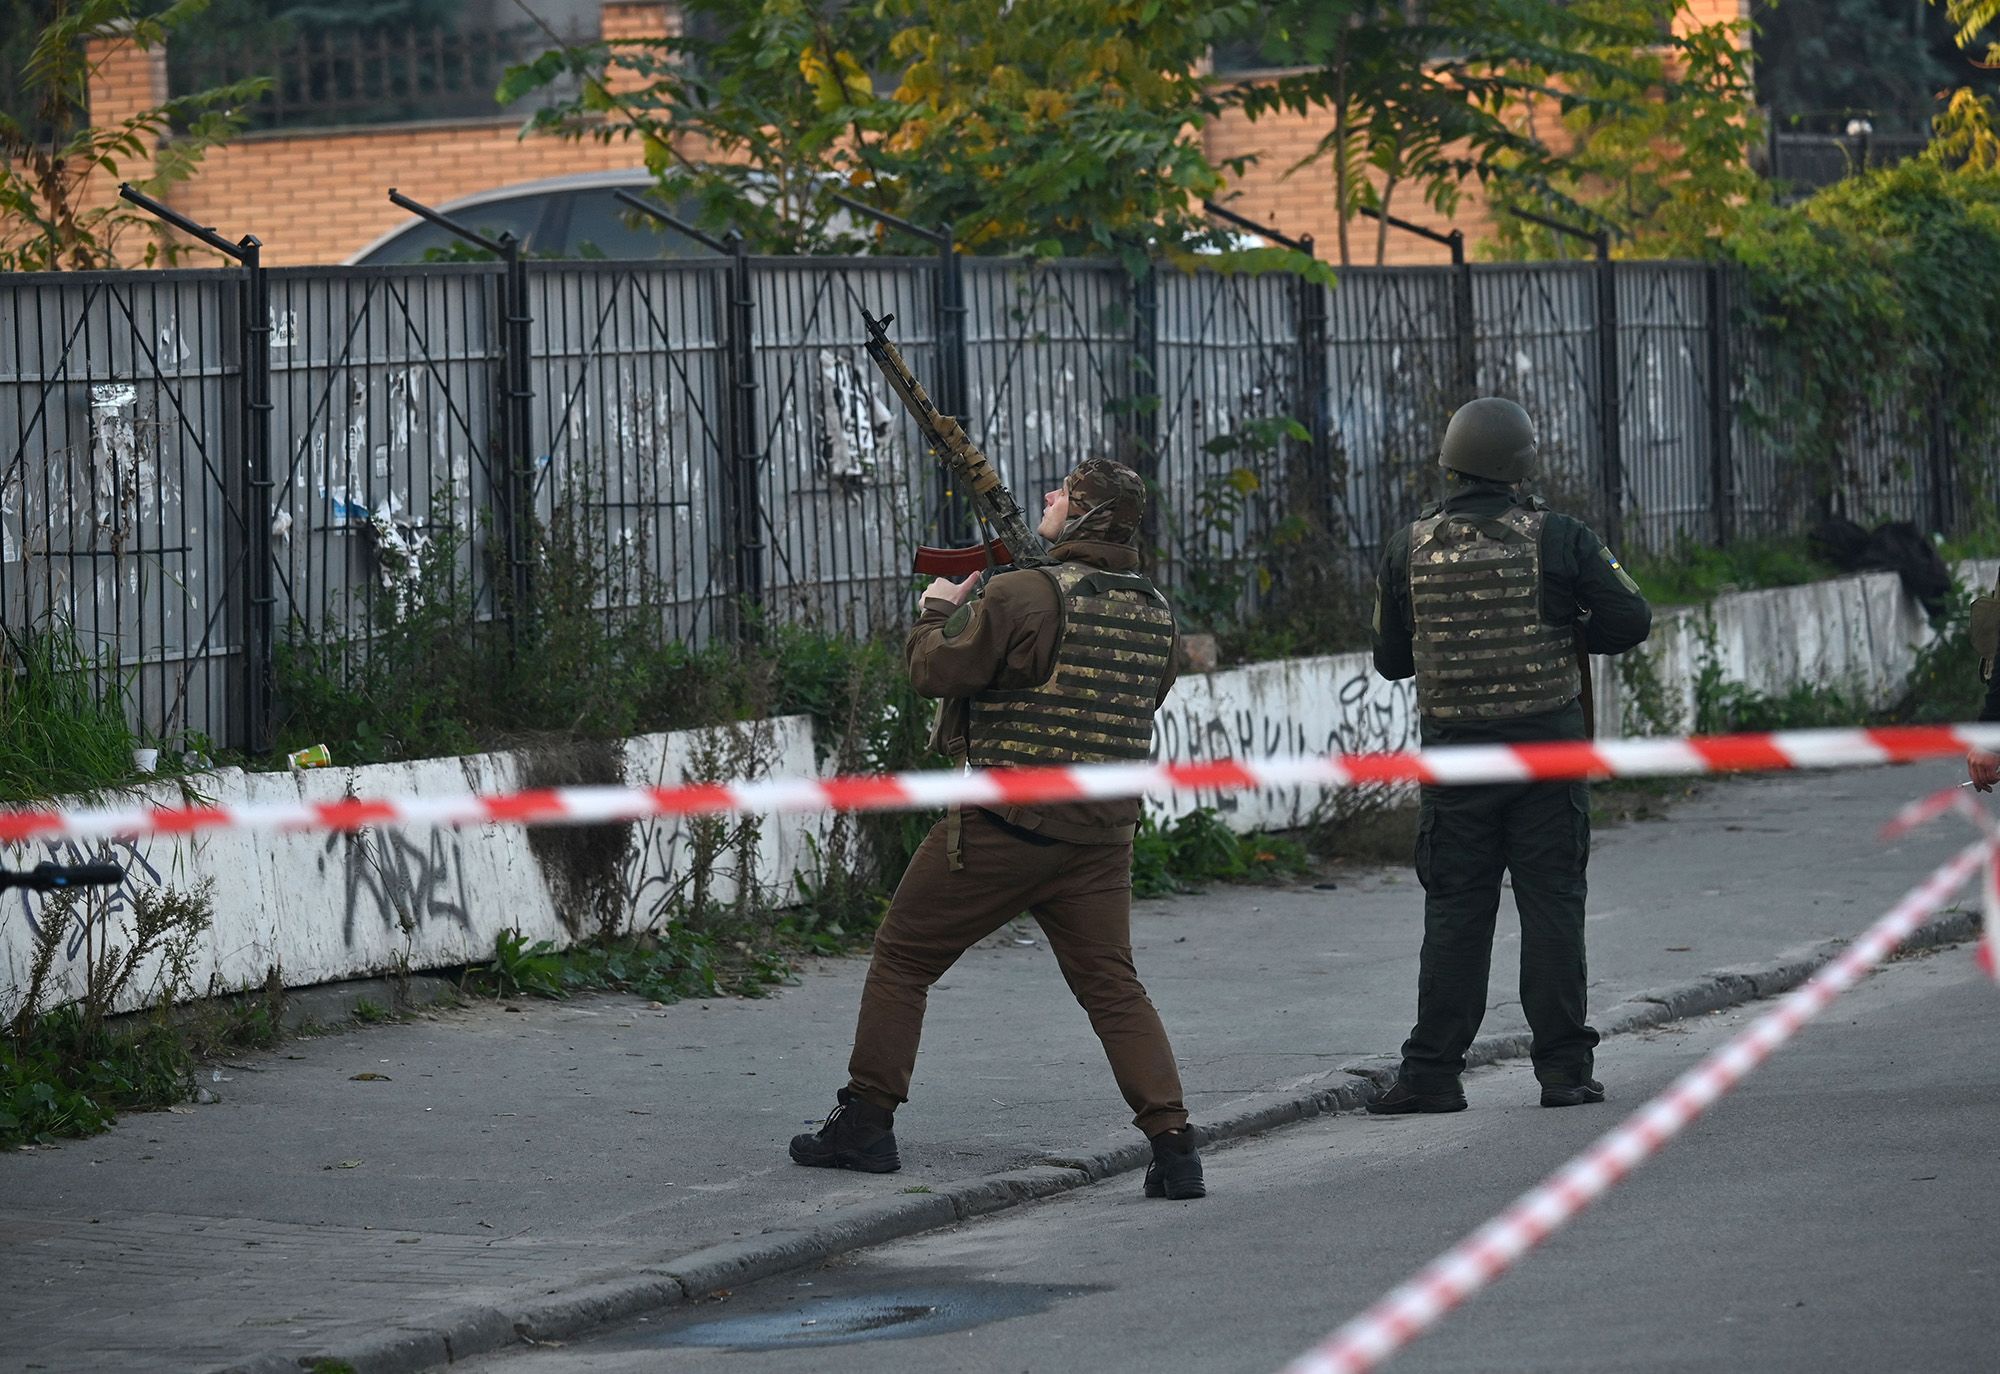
1107	503
1491	437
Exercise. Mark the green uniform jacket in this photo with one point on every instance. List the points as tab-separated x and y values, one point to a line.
1581	581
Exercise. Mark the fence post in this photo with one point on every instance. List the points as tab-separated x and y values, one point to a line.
517	410
256	733
1465	323
948	305
1611	429
1939	452
1610	433
1721	407
514	490
742	491
260	628
743	480
1143	417
1312	371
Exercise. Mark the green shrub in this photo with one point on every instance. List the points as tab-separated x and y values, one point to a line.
68	1069
1199	848
1695	574
665	966
60	732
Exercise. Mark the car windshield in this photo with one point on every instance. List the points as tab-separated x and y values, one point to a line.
423	241
579	222
599	225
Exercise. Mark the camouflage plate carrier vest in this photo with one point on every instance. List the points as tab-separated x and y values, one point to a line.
1483	651
1097	706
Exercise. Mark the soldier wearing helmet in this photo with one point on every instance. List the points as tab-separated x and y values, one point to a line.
1048	665
1489	600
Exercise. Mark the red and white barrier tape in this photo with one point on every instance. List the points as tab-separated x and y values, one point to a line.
1469	1266
1943	802
1957	799
1988	953
1554	761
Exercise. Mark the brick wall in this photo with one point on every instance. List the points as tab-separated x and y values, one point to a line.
321	196
1304	201
124	80
1705	12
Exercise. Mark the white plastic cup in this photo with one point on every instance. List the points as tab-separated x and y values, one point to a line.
145	760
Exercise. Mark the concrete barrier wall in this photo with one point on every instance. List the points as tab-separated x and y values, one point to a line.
318	907
1857	635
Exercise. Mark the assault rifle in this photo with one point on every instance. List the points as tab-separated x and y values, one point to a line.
1017	543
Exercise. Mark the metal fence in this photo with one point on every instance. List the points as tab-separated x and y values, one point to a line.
712	436
1801	163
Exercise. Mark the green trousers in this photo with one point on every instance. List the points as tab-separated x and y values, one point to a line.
1467	838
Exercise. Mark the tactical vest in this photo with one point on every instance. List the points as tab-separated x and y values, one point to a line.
1986	631
1097	706
1482	650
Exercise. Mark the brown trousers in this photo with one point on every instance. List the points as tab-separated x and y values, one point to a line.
1080	894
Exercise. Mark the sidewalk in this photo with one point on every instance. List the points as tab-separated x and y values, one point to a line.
519	1151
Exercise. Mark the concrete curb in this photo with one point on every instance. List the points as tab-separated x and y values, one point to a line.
412	1347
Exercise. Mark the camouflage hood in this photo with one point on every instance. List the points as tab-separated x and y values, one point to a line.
1107	503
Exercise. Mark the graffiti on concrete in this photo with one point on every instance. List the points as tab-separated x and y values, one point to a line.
1363	714
96	915
403	882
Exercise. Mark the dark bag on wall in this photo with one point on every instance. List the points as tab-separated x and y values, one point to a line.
1901	548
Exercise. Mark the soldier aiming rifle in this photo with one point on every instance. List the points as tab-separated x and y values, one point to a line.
1062	660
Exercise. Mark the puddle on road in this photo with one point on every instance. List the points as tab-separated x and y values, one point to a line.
844	1318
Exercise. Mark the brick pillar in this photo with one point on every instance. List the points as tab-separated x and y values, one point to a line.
625	20
125	79
1700	13
641	19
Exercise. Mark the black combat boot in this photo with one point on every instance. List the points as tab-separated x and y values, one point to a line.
1572	1094
1402	1098
1175	1173
857	1134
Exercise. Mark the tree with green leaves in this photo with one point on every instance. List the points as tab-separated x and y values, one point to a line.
57	169
1427	100
1656	144
1053	126
1057	126
1976	20
1962	133
756	112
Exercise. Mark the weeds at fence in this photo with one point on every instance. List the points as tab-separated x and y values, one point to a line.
1695	574
1723	706
665	966
70	1068
60	732
1945	685
1197	849
1646	706
1260	565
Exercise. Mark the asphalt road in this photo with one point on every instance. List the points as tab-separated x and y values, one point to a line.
361	1182
1839	1212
